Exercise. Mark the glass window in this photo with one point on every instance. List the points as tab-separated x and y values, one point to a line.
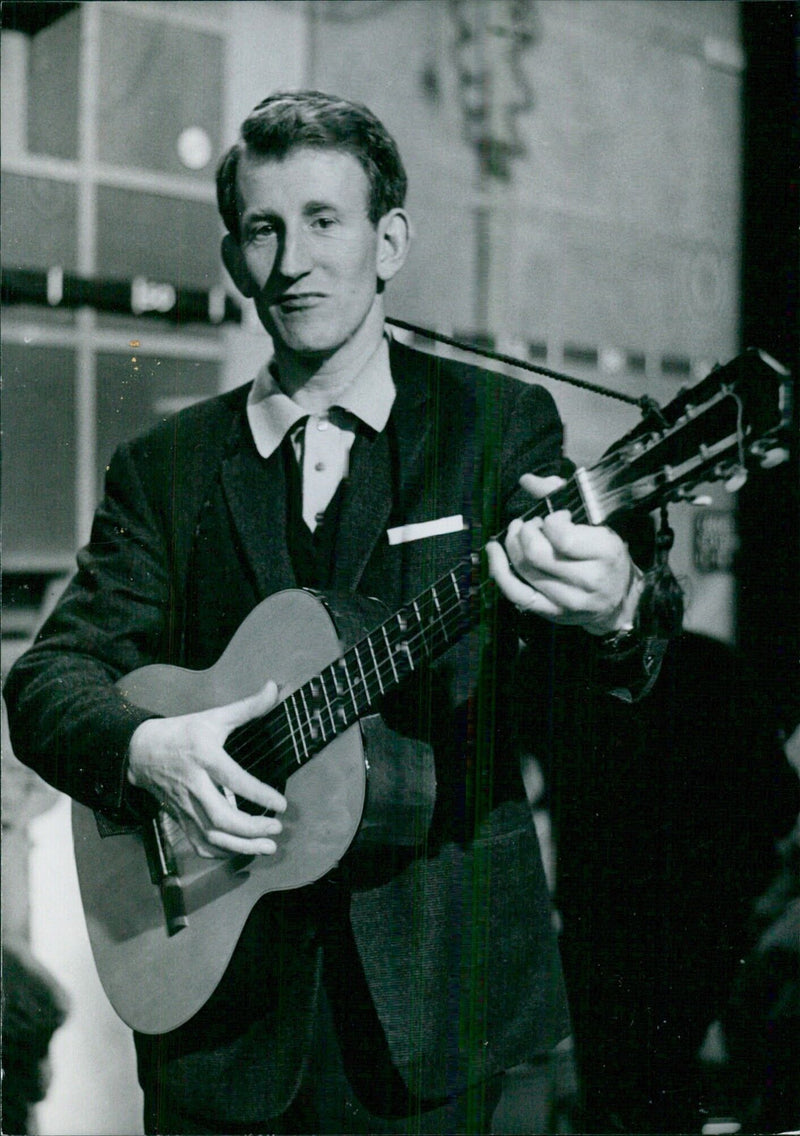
135	391
38	452
158	81
140	327
53	68
23	315
166	239
39	222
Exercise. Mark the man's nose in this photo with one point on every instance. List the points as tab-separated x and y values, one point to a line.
294	257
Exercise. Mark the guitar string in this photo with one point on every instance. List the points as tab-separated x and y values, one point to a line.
381	670
571	498
383	673
568	497
255	727
282	739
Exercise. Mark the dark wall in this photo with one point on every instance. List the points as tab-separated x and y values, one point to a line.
769	570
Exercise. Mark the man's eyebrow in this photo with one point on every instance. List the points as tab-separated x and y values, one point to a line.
259	215
320	207
309	209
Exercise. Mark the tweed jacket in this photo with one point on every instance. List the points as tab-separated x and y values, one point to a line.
455	938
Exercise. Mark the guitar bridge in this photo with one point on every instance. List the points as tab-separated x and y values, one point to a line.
164	873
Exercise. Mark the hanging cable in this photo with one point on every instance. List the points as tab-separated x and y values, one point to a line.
645	403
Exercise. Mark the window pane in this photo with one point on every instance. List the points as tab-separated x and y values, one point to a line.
39	222
34	316
135	391
157	81
38	452
53	88
164	238
140	327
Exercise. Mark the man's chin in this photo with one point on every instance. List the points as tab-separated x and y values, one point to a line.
313	340
303	341
303	349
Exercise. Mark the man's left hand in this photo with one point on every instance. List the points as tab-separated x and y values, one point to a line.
580	575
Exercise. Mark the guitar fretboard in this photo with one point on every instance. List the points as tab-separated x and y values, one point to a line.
322	708
305	722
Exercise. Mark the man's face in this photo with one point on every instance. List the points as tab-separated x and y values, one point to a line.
308	253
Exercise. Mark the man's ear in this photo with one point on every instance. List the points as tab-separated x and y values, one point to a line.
233	260
394	238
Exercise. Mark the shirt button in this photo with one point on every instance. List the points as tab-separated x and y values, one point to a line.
319	467
322	424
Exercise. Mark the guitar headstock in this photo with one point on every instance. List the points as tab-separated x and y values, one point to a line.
737	417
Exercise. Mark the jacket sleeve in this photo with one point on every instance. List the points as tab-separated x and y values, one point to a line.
67	720
625	667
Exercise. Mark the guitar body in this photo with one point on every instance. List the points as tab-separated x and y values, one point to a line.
155	980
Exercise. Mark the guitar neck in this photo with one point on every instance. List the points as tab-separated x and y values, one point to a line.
417	634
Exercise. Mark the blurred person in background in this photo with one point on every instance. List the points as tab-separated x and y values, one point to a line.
668	830
33	1007
761	1020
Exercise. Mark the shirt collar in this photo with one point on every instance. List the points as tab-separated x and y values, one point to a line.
271	413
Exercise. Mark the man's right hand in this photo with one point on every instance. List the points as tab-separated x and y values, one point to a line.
183	763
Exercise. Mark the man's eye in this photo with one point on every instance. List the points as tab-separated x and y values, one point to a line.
323	223
264	229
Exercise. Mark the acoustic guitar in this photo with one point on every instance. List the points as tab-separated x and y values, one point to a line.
163	921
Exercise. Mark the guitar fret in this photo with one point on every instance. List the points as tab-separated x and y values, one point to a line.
363	675
288	717
423	650
436	603
340	686
349	684
293	700
441	624
375	665
390	653
328	705
309	715
405	646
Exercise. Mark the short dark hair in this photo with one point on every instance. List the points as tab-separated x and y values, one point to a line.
291	119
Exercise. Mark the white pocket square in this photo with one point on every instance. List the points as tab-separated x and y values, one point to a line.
422	529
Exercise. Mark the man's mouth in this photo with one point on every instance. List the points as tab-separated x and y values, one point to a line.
298	301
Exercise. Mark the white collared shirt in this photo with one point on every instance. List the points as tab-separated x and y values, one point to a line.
321	442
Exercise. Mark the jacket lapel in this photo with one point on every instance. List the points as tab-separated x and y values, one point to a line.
255	494
366	508
413	373
382	468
